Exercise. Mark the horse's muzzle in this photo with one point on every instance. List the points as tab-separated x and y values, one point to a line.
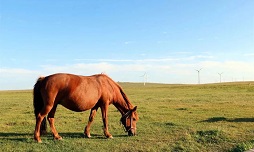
132	132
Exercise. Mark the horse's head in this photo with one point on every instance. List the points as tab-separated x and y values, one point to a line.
129	120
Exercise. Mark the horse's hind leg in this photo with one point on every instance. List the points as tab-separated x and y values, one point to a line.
39	119
51	120
91	118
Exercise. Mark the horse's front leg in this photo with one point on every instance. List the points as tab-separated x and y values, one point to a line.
52	123
104	112
91	118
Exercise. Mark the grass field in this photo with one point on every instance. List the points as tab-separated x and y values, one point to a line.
209	117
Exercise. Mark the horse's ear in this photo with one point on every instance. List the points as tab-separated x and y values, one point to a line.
134	109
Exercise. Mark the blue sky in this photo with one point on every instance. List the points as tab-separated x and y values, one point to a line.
167	39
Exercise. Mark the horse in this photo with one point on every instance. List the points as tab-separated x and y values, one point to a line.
80	93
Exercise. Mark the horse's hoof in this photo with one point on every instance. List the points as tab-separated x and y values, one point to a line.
38	140
87	136
110	137
58	138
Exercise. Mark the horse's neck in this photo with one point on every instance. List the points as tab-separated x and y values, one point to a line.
121	102
123	106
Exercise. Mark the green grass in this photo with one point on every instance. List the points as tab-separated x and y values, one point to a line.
210	117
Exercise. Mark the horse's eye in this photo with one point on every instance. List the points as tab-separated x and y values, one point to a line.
134	119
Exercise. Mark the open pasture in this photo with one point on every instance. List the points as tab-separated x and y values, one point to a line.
209	117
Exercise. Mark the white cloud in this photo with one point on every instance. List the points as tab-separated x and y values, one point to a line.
200	57
15	71
130	60
14	78
80	68
128	42
164	70
248	54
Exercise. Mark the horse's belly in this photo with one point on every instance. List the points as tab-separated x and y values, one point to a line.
78	106
80	98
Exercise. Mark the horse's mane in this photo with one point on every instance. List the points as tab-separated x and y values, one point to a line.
125	98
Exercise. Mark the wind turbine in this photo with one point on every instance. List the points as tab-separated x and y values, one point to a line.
199	75
145	78
220	75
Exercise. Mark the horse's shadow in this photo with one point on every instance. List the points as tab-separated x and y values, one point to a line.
81	135
13	136
217	119
26	137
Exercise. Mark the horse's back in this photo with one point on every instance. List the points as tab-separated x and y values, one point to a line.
71	82
60	81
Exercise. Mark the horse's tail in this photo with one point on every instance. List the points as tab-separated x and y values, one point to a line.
38	104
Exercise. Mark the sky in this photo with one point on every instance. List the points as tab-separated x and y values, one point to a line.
166	39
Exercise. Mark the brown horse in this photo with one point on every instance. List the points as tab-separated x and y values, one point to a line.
80	93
